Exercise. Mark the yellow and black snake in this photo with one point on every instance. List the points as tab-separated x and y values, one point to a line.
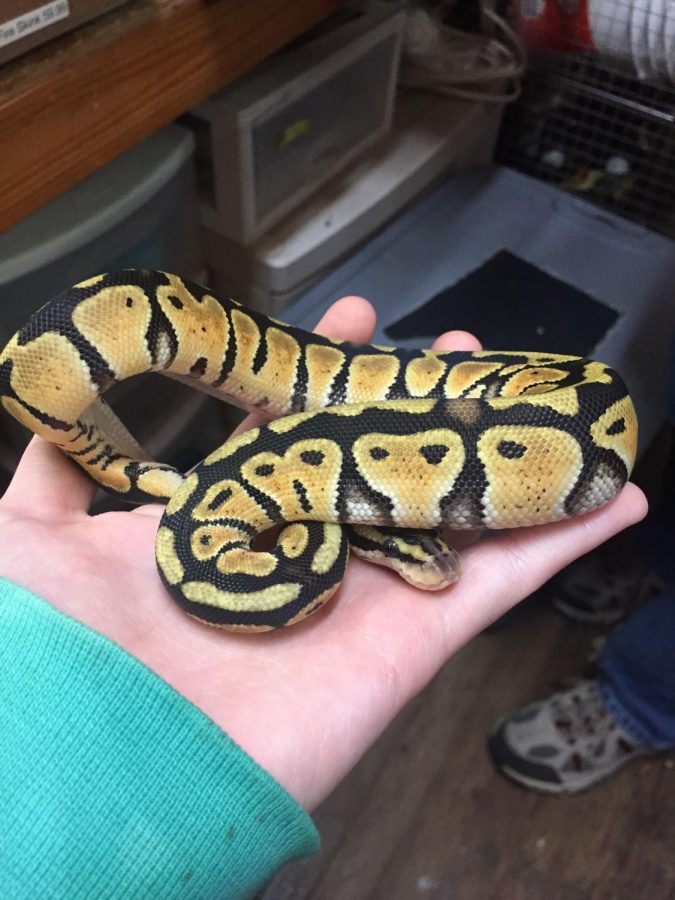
396	442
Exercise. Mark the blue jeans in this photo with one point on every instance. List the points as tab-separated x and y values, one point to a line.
637	680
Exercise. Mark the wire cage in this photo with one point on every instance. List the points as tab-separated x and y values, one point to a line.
597	112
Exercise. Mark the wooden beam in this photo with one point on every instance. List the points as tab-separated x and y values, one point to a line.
87	97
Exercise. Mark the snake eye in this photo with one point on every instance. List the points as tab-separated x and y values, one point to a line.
389	546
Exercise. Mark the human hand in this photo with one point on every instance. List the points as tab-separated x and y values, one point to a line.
305	702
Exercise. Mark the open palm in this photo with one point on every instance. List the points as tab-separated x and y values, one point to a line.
305	702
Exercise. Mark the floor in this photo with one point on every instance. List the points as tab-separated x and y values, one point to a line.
424	815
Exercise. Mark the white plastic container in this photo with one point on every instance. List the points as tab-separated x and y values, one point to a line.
269	140
431	135
610	24
641	32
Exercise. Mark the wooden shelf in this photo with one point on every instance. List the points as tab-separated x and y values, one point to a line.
70	107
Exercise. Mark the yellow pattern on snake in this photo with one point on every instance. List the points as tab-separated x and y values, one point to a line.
396	442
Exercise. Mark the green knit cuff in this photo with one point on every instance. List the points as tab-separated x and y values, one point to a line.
113	785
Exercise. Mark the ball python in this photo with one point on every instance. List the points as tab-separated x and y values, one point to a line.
368	446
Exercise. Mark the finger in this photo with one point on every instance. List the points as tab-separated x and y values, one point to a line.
457	340
348	319
48	485
500	571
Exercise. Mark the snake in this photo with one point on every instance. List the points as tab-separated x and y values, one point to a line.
373	448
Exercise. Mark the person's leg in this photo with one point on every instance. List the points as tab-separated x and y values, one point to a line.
658	535
603	587
637	680
564	743
574	738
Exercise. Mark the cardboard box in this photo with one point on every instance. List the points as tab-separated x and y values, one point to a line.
25	24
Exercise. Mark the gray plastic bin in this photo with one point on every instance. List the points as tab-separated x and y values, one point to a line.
138	211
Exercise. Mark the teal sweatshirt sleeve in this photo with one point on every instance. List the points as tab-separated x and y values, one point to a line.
113	785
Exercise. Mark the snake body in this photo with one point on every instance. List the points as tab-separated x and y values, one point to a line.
396	442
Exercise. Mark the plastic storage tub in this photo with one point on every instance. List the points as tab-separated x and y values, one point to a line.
454	231
138	211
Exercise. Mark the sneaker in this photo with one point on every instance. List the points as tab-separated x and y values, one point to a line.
564	743
600	591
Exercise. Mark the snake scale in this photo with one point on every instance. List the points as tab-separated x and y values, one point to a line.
398	443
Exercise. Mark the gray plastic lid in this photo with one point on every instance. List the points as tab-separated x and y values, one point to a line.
96	205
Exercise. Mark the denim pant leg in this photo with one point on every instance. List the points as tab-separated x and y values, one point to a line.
637	680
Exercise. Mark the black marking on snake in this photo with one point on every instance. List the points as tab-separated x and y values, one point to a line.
110	459
56	424
261	353
133	470
160	328
398	389
130	302
364	543
617	427
301	492
264	501
175	301
312	457
379	453
357	490
199	367
81	429
105	454
6	389
56	317
530	416
231	352
220	498
300	385
511	449
491	382
434	453
87	449
462	500
199	291
276	618
603	461
467	492
264	470
238	524
205	539
233	545
338	389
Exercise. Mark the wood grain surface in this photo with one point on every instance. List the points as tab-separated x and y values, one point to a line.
73	105
425	815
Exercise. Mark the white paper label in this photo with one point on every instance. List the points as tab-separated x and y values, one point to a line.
42	17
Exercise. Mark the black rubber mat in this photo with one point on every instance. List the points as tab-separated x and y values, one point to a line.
509	304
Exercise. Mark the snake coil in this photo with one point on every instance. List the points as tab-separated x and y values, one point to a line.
398	443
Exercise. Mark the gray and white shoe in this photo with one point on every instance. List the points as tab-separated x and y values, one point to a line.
597	590
565	743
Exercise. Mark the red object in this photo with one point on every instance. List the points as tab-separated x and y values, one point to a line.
577	24
547	25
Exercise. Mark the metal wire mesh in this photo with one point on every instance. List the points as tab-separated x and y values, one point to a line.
597	113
